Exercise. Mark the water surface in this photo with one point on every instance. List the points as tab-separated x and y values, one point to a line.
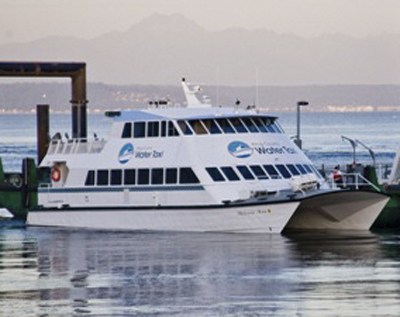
59	272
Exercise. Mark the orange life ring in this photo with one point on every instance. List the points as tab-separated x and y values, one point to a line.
55	174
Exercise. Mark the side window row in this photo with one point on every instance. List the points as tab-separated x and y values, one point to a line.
142	129
141	176
260	172
149	129
229	125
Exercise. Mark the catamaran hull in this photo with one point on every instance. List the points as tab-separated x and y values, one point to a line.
339	210
258	218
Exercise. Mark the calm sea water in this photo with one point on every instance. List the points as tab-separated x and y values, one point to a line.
54	272
58	272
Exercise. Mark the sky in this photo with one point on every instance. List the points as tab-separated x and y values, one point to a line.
28	20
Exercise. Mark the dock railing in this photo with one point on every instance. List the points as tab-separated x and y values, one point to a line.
75	146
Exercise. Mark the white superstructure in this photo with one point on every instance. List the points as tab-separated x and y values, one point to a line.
197	168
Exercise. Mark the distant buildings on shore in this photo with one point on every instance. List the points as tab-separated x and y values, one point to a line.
23	97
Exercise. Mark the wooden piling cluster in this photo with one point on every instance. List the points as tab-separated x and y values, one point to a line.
18	191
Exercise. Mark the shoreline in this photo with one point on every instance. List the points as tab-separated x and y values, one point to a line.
327	109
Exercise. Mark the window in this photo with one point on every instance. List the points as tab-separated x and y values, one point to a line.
272	126
225	126
244	170
129	177
157	176
116	177
301	169
238	125
259	172
271	170
163	128
184	127
230	173
102	177
260	124
197	127
139	130
212	126
215	174
250	125
143	176
187	176
278	128
293	169
267	124
283	170
308	168
153	129
89	179
171	176
127	131
172	131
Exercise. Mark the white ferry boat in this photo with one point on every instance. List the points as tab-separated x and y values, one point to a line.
194	168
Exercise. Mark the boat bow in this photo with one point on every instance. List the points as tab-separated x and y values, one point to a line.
339	210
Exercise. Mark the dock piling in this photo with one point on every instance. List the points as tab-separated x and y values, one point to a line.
42	130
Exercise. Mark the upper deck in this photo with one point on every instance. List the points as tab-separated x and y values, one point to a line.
146	124
162	120
198	117
75	146
170	123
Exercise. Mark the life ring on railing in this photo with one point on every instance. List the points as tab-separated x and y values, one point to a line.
55	174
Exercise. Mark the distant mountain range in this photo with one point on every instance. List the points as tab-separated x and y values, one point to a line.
163	48
23	97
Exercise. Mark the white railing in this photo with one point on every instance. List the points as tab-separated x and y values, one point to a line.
75	146
352	180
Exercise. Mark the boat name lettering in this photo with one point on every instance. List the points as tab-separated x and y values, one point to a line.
149	154
274	150
253	212
246	212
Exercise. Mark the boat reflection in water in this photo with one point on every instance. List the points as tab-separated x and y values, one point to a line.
92	273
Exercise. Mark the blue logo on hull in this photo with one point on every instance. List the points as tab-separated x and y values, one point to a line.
240	149
126	153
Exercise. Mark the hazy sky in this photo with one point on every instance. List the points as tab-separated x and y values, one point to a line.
26	20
